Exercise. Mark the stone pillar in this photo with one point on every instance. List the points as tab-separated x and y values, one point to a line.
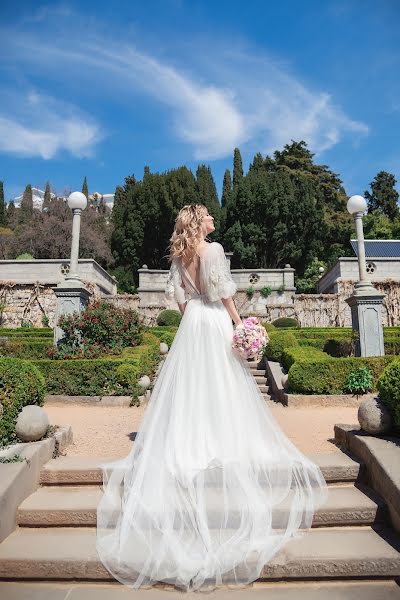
70	298
366	318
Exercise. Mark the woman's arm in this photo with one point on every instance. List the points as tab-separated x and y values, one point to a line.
231	308
182	307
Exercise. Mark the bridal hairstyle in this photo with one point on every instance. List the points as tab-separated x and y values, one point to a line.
187	231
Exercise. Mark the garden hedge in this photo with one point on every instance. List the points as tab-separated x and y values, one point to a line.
21	383
330	375
278	341
389	389
102	376
292	354
169	317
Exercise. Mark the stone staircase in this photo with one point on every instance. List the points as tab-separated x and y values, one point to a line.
55	537
260	377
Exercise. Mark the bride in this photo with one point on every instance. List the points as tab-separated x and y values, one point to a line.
212	488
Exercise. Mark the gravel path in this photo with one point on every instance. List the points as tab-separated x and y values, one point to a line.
100	431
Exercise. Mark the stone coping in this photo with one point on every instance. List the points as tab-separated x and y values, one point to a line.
381	456
275	373
88	400
19	480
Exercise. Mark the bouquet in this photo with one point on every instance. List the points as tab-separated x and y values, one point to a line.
250	338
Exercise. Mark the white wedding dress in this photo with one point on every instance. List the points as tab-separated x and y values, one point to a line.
212	487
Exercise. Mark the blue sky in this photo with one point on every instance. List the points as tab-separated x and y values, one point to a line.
103	88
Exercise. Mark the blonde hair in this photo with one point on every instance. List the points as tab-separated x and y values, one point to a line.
187	231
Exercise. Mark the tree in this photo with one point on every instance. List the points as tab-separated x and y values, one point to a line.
85	189
206	192
26	210
3	213
226	197
237	167
383	195
47	197
11	214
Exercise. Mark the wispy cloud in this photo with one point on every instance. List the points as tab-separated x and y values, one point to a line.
222	101
38	125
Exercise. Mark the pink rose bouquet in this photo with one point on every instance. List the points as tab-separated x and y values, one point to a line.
250	338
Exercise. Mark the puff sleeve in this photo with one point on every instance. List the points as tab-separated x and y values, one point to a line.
174	289
216	274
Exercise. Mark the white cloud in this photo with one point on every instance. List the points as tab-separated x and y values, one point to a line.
236	98
38	125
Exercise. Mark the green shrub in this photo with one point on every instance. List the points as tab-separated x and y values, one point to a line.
21	383
278	342
268	327
339	347
169	317
330	376
359	381
100	329
19	347
286	322
102	376
266	291
24	332
389	389
291	355
165	334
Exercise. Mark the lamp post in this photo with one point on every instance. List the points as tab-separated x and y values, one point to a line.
77	203
366	301
72	295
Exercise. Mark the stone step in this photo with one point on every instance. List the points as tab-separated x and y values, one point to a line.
66	553
260	379
58	506
77	470
258	372
270	590
263	388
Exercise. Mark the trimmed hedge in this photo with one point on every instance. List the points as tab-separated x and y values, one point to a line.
389	390
27	332
19	347
21	383
169	317
102	376
291	355
165	334
286	322
278	342
330	375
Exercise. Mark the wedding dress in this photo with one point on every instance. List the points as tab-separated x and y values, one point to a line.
212	487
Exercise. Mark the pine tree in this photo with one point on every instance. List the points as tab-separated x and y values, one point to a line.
26	210
85	189
384	196
47	197
3	213
237	168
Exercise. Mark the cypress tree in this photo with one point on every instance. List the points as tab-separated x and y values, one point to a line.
383	195
26	210
3	214
11	213
85	189
226	189
47	196
237	168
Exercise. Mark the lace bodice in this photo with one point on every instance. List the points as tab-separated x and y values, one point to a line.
215	278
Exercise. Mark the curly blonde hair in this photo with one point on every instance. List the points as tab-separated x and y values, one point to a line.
187	231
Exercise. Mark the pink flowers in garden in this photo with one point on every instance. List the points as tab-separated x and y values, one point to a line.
250	338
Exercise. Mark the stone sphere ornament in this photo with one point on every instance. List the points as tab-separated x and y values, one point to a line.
163	348
144	382
32	423
373	416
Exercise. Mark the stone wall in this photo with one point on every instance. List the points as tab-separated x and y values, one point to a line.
30	302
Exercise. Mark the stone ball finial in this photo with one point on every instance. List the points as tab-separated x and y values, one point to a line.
373	416
145	267
163	348
287	266
32	423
